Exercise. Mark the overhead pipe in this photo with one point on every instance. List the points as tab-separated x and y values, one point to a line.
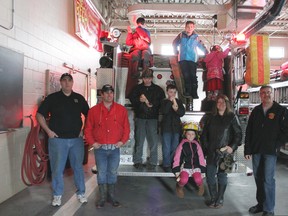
264	19
12	18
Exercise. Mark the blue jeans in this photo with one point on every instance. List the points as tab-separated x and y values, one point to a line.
59	151
264	172
169	145
146	128
211	171
107	162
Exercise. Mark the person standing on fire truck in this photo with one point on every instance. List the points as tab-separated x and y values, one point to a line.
266	131
146	100
214	64
172	110
188	42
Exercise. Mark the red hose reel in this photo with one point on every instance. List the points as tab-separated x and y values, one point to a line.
35	159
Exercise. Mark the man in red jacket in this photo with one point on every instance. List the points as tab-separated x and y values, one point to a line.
107	129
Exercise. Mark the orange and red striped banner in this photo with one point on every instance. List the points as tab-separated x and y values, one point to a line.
258	61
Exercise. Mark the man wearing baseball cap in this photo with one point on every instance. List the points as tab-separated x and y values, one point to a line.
107	129
146	99
65	124
66	76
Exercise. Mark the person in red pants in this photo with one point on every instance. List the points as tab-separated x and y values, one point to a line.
189	161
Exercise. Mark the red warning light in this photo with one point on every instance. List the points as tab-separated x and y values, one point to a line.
240	37
243	111
159	76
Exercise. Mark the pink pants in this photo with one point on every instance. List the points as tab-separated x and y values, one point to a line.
184	177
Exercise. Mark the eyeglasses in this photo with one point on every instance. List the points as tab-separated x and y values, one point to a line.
266	93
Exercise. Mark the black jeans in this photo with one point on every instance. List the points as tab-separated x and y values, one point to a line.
189	69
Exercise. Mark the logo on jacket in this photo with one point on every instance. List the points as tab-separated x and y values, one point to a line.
76	100
271	115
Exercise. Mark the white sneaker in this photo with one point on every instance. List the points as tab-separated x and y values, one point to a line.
56	200
82	198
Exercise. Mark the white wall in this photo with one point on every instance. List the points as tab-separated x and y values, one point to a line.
279	42
11	152
44	32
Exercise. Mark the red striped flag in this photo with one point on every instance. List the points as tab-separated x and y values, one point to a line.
258	61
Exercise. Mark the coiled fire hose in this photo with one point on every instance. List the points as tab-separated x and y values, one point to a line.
34	162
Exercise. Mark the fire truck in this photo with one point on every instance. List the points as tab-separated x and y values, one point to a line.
162	20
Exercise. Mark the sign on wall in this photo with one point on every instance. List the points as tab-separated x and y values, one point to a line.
80	84
11	88
53	82
87	23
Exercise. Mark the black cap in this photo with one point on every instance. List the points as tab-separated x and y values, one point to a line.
140	20
147	73
66	75
107	87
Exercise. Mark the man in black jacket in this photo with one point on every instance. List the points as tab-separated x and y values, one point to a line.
267	130
146	100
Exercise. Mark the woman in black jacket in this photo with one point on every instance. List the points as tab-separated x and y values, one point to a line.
221	135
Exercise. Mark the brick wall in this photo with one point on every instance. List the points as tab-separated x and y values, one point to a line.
44	32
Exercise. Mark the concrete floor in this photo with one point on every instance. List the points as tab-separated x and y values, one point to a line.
141	196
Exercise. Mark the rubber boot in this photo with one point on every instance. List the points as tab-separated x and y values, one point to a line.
111	195
194	91
179	191
220	199
213	194
102	196
200	190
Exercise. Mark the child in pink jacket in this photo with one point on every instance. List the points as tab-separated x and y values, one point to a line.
214	65
189	162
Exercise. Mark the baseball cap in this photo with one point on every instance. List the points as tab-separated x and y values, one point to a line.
66	75
107	87
140	20
147	73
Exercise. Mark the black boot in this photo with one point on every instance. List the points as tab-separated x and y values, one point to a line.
111	195
213	194
189	104
194	91
102	195
220	199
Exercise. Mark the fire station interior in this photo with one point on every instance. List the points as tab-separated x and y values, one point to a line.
139	192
